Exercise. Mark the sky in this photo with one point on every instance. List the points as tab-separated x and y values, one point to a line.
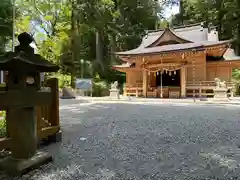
169	11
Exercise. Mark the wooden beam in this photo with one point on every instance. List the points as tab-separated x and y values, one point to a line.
54	106
24	98
48	131
164	65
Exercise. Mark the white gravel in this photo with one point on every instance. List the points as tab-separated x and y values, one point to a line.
158	141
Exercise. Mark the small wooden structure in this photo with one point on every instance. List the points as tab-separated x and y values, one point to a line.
178	62
21	96
47	117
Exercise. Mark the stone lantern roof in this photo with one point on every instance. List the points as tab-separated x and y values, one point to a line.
24	59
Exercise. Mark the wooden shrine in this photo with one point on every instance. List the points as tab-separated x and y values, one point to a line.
178	62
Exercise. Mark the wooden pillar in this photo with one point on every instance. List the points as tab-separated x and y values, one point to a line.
229	73
183	82
145	83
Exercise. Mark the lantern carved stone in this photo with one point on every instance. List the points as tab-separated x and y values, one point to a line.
20	98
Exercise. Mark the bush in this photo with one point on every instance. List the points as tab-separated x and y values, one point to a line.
2	123
3	85
100	88
63	80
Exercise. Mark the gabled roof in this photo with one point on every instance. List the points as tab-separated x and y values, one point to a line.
188	37
171	32
172	47
230	55
191	34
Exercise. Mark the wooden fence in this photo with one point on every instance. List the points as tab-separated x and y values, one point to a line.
205	88
197	89
47	117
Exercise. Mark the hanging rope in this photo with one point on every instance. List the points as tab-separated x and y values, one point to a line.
171	69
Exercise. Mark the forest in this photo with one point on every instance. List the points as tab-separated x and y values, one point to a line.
83	35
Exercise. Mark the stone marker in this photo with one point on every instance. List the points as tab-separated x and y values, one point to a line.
22	96
220	91
114	91
68	93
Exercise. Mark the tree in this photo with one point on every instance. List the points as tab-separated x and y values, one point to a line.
5	23
68	31
223	14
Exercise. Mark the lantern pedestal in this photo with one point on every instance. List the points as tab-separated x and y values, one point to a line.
22	166
220	94
24	157
114	93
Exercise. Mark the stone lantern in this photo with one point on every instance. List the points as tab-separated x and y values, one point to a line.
22	95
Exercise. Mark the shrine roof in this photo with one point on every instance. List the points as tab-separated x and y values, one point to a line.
185	38
230	55
192	34
125	65
172	47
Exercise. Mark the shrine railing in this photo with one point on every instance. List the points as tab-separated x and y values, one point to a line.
135	90
207	84
205	88
47	116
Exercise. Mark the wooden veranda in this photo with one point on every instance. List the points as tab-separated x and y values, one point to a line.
193	89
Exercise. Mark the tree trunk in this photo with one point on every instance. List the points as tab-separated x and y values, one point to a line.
238	30
99	49
73	33
238	40
181	12
113	46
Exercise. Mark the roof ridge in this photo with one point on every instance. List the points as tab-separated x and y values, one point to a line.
188	25
175	27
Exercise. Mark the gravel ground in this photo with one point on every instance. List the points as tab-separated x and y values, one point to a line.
111	141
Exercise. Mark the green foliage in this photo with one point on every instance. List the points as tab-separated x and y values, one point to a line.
223	14
2	123
63	80
100	88
5	23
236	74
90	30
3	85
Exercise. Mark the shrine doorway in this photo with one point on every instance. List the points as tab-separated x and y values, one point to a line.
169	79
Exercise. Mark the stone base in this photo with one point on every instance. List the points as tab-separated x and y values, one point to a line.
220	94
114	93
19	167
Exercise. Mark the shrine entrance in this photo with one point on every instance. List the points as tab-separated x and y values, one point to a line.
168	83
170	79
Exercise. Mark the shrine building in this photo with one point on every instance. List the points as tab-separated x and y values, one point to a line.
178	62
